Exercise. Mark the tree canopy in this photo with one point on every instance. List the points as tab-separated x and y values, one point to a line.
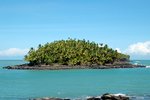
74	52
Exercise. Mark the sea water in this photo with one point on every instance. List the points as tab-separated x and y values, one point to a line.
74	83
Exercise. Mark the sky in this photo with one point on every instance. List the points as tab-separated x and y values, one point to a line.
122	24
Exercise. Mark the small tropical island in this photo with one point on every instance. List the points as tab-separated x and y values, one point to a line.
74	54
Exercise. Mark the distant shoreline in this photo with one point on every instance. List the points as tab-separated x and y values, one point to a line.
64	67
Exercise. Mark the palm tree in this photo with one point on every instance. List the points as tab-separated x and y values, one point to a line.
74	52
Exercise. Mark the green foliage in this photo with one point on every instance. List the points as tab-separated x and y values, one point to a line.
74	52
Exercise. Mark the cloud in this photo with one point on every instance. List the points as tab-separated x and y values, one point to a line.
118	50
14	52
140	48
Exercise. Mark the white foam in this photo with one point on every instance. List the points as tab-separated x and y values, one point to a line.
147	66
135	63
120	94
88	97
98	97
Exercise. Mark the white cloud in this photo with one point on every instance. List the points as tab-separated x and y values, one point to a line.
118	50
140	48
14	52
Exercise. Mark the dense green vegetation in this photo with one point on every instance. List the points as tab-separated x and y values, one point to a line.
74	52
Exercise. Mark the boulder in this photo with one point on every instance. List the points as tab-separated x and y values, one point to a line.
94	98
108	96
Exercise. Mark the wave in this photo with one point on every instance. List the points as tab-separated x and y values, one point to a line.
120	94
140	97
147	66
141	62
135	63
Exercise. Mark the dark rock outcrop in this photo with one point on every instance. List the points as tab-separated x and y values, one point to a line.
94	98
60	67
108	96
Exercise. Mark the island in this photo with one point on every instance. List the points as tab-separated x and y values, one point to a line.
74	54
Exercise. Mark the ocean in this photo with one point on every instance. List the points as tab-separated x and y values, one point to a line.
74	83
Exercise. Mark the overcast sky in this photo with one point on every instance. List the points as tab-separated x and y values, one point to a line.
122	24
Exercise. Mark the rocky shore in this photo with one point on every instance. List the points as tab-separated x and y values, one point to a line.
106	96
63	67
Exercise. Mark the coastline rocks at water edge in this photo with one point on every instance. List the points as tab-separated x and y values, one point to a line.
106	96
61	67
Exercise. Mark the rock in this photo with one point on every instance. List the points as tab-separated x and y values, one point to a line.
108	96
94	98
61	67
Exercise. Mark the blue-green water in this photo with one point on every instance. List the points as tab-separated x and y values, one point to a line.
25	84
